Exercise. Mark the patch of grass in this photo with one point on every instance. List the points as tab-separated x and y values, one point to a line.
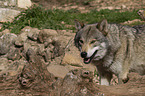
41	18
114	15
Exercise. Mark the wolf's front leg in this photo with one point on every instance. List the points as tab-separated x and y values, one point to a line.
122	77
105	80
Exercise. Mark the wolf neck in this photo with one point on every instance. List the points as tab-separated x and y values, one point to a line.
106	61
114	45
113	37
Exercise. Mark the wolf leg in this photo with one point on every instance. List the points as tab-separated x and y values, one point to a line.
123	78
105	80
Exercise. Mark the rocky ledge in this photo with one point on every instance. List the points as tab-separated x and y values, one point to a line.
45	62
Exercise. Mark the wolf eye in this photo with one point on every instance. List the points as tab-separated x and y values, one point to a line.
81	41
93	41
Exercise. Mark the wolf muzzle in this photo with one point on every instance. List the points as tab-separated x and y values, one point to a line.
87	60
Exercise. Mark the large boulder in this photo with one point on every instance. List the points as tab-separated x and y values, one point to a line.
14	54
4	63
24	3
6	41
79	83
33	33
11	8
4	32
45	34
58	70
8	14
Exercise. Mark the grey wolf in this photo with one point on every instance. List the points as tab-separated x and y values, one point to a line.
113	48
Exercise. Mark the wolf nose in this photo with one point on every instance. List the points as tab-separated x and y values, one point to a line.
83	54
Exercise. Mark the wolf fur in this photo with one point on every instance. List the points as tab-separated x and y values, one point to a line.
114	49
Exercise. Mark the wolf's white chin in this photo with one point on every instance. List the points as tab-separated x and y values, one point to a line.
100	54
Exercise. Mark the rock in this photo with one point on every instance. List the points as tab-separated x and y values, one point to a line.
27	32
20	40
132	22
48	53
24	3
11	8
8	14
4	63
15	68
78	83
14	54
26	29
58	49
38	48
18	65
6	41
46	33
33	33
47	42
72	60
8	2
35	75
58	70
109	7
68	41
123	6
4	32
53	50
74	7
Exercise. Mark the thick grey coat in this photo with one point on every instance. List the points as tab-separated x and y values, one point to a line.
123	51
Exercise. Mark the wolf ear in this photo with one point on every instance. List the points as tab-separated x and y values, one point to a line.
102	26
78	25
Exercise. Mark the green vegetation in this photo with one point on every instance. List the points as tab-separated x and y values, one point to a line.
41	18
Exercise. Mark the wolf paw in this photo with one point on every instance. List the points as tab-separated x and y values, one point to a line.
125	80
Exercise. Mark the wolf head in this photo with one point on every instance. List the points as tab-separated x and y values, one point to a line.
91	40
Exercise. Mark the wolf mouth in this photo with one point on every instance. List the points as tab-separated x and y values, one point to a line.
88	60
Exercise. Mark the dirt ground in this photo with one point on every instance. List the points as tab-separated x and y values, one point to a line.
87	5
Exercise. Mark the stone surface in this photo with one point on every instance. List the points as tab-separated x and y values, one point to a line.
11	8
6	41
33	33
45	34
4	32
58	70
78	83
7	14
24	3
14	68
22	37
14	54
8	2
38	48
3	64
72	60
20	40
